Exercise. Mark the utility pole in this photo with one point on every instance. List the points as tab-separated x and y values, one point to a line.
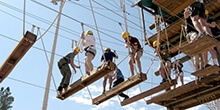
46	94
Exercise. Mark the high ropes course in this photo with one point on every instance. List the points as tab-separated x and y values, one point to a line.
170	31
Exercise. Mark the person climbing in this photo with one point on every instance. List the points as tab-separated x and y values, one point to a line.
192	35
136	50
119	79
90	50
108	56
199	18
165	61
64	67
177	65
211	22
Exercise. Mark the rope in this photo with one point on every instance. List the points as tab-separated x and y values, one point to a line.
97	29
59	13
165	29
47	59
24	17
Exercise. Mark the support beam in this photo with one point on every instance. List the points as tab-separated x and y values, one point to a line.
132	81
207	71
173	7
184	89
142	95
201	45
19	51
86	80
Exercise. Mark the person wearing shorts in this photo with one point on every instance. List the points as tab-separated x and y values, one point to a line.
90	50
177	65
136	51
108	56
165	61
199	18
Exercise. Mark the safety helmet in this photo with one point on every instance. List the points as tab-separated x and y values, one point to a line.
155	43
77	49
206	12
125	34
107	48
89	32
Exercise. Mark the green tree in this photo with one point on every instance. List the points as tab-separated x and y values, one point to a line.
6	99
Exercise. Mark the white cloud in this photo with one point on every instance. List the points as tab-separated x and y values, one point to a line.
80	99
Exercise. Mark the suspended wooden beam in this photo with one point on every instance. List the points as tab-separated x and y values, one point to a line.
142	95
201	45
199	99
207	71
136	3
173	7
132	81
86	80
19	51
192	94
191	86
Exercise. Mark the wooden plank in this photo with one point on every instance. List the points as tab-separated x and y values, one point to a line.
199	46
172	7
200	99
19	51
209	70
132	81
86	80
183	89
190	95
138	1
142	95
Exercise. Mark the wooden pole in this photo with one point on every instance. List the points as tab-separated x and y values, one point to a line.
46	94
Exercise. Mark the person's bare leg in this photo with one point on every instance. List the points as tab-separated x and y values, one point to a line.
131	66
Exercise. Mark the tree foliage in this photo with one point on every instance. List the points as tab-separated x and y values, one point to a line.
5	99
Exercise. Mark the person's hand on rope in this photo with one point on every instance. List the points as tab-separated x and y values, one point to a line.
82	36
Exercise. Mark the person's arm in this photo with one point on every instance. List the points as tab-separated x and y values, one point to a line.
213	24
83	38
186	12
73	65
115	75
116	56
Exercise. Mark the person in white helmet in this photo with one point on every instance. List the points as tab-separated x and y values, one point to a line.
64	67
90	50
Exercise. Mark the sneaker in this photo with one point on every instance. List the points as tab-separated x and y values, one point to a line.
207	65
103	92
126	97
163	81
167	89
65	85
59	88
87	72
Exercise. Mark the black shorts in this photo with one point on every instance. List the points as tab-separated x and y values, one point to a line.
198	8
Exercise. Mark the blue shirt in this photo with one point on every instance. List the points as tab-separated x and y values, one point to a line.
119	74
108	55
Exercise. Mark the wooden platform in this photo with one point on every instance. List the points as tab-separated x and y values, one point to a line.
132	81
86	80
173	7
19	51
154	90
190	94
201	45
209	70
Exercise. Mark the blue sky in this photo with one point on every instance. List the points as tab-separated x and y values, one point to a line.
28	79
